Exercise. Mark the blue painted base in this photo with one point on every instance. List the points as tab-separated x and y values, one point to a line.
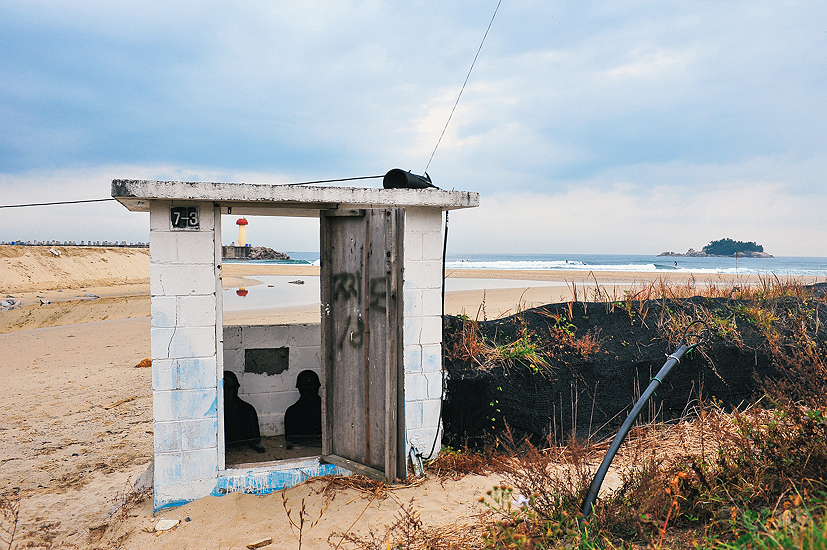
263	480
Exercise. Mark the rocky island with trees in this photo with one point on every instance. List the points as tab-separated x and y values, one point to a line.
725	248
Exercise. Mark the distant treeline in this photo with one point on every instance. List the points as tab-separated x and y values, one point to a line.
123	244
728	247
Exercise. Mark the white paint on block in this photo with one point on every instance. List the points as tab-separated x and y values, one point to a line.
158	218
413	414
167	437
179	405
432	358
423	220
423	439
432	244
434	384
160	339
432	301
413	247
200	463
163	247
412	357
412	330
416	386
195	373
192	342
196	311
419	274
164	311
181	280
199	433
164	374
430	412
431	332
195	247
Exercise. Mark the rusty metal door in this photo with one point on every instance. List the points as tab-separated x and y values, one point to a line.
361	297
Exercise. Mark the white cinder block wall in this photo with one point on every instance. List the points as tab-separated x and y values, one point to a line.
423	326
272	394
185	391
186	324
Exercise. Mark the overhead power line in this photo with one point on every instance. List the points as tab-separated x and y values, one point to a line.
336	180
464	83
51	203
111	199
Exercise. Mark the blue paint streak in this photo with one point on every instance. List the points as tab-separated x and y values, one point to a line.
172	504
260	483
265	482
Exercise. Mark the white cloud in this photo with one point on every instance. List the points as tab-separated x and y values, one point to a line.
618	218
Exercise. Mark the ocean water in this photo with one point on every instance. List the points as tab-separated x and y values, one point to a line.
782	266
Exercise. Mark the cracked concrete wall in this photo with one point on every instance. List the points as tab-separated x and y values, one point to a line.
183	285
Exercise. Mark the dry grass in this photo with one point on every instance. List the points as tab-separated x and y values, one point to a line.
708	480
409	532
369	487
470	346
455	464
767	287
689	484
127	500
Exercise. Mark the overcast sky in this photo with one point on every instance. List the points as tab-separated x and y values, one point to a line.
627	127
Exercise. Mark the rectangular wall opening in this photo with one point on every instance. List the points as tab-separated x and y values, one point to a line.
271	343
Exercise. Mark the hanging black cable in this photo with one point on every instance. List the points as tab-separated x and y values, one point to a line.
52	203
463	85
336	180
111	199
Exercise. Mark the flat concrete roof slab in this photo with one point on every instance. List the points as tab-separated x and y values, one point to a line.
297	200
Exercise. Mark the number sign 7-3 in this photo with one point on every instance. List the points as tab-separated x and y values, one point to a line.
184	217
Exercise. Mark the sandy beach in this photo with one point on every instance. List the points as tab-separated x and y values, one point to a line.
76	421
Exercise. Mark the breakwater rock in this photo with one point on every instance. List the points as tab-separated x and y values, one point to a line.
252	253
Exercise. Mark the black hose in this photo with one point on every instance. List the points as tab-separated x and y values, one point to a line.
657	381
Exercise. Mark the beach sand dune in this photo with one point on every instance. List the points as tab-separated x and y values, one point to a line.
34	268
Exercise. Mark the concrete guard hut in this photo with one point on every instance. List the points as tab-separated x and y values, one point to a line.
377	350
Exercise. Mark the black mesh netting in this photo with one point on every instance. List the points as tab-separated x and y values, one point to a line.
586	386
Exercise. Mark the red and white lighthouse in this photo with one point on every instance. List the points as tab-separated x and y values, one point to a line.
242	231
